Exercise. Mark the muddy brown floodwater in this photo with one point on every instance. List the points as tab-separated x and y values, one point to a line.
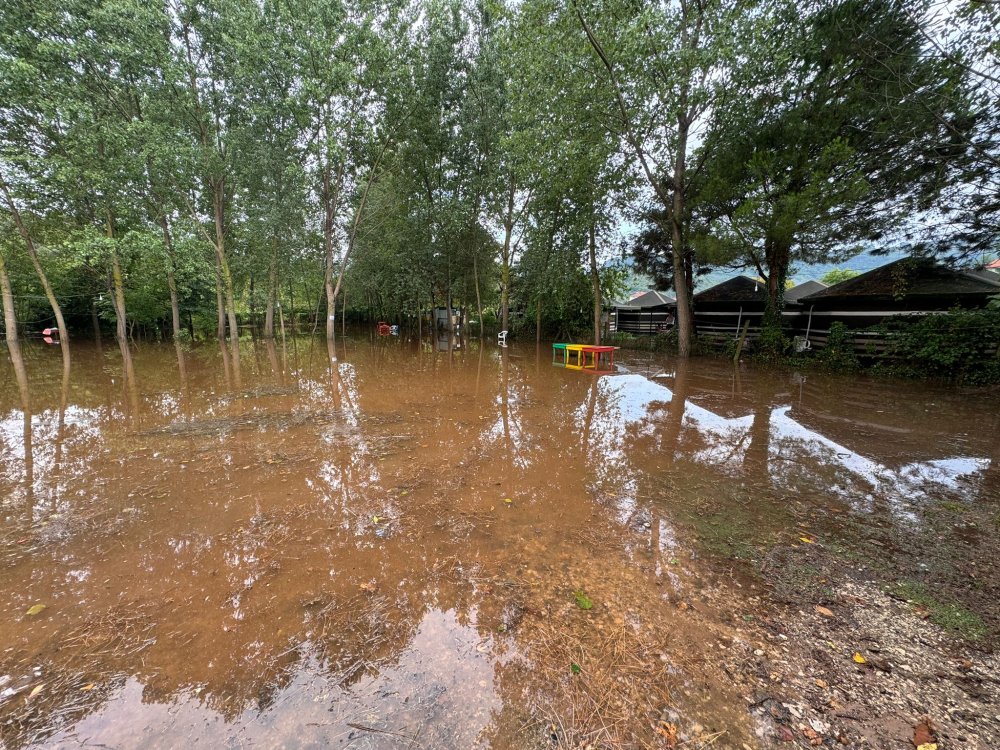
409	548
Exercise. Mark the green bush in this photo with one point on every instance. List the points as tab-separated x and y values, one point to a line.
838	354
773	344
962	345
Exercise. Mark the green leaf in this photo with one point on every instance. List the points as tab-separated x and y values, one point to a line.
35	610
582	600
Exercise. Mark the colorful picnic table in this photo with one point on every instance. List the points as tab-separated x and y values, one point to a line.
584	357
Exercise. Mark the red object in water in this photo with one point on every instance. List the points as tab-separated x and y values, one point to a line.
994	264
598	358
48	331
384	329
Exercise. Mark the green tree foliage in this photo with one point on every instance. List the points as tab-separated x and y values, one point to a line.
837	275
230	165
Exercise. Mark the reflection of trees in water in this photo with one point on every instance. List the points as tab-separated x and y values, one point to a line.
24	393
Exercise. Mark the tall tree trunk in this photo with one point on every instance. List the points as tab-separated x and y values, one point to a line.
776	255
272	291
219	207
252	298
118	284
175	308
9	314
595	280
675	202
357	220
95	321
331	200
508	229
220	304
538	319
29	245
479	299
677	208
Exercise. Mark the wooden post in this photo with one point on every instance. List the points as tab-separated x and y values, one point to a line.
739	343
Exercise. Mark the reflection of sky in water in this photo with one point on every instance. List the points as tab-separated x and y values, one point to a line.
442	682
81	435
630	399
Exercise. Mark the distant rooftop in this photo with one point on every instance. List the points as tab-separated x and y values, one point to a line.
913	276
803	290
736	289
650	298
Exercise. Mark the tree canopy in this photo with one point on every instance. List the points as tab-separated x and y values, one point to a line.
184	167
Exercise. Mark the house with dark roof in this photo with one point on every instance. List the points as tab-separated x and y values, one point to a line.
724	307
910	286
647	312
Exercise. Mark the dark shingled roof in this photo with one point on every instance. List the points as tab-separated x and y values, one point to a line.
736	289
804	289
650	298
912	276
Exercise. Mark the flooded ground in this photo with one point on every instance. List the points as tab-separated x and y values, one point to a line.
401	547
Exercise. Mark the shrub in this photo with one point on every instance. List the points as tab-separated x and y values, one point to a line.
838	354
961	345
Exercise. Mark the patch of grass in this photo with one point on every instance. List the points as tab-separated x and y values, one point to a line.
726	535
952	617
952	506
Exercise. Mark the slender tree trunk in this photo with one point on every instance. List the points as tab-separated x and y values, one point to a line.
219	302
252	296
675	203
9	314
357	218
118	284
677	242
538	320
508	229
479	299
595	280
175	308
219	207
331	200
95	321
272	291
776	256
29	245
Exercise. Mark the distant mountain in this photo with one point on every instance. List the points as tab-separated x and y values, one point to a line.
800	272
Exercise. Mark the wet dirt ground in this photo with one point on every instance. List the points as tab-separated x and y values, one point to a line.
380	545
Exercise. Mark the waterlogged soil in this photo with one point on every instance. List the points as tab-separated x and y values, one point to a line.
385	545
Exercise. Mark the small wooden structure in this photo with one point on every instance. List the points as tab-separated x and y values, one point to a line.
721	310
649	312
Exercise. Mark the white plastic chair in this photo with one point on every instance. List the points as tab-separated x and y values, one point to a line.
502	338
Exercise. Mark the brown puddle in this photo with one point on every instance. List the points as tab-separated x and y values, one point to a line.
398	550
